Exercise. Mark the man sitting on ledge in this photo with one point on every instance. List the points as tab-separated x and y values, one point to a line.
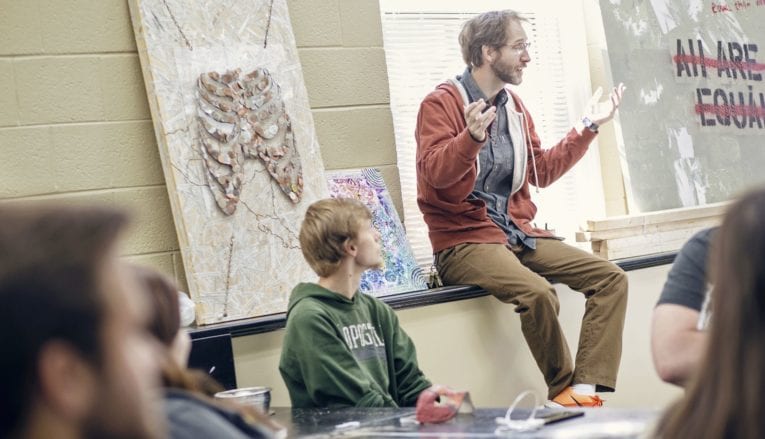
477	153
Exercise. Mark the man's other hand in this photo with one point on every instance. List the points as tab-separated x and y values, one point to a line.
478	120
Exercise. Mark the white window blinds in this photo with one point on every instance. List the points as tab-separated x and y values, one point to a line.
422	51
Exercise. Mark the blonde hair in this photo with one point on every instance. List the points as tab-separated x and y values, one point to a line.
487	29
327	226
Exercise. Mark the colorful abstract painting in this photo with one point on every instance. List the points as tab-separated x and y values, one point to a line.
400	272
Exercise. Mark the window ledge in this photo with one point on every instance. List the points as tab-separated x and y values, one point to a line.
259	325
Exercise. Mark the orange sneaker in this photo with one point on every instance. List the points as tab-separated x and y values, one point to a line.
567	398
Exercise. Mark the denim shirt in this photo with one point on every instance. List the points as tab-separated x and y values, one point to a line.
495	178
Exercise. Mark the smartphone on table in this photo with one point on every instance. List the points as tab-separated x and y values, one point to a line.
557	416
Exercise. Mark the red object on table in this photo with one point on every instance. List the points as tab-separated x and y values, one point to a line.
438	404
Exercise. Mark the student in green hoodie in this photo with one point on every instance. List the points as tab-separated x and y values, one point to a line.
343	348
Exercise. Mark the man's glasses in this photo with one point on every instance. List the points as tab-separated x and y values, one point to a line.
518	47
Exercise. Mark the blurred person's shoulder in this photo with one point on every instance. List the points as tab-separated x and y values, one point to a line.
192	417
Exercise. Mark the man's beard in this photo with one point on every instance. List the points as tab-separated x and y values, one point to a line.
504	73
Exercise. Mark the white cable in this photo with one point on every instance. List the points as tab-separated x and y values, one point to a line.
525	124
508	425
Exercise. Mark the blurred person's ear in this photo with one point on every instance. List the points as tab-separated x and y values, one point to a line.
68	382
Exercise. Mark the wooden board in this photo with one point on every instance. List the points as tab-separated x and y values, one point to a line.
648	229
645	234
643	245
658	217
243	264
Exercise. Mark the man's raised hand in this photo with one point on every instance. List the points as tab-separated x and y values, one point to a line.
478	120
602	112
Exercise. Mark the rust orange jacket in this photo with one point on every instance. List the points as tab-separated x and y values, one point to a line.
447	168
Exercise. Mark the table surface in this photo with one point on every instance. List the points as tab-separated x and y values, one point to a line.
387	422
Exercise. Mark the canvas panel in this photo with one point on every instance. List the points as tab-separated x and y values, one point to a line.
694	110
240	154
400	272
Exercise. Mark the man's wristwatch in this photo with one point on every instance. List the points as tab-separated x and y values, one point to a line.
590	125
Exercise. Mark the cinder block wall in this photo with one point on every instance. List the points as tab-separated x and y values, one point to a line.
75	124
74	120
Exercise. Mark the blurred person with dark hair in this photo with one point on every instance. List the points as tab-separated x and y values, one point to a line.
726	394
76	359
191	410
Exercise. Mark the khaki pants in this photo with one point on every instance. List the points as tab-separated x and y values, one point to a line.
519	278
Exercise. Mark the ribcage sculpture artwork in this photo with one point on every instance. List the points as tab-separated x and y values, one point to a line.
241	117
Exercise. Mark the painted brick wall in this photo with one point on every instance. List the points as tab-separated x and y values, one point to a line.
75	124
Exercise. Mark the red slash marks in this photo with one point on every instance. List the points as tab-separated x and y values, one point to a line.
739	109
734	60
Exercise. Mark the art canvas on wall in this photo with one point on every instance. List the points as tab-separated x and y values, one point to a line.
693	115
400	272
238	147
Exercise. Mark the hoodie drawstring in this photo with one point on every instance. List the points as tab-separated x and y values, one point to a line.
528	139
